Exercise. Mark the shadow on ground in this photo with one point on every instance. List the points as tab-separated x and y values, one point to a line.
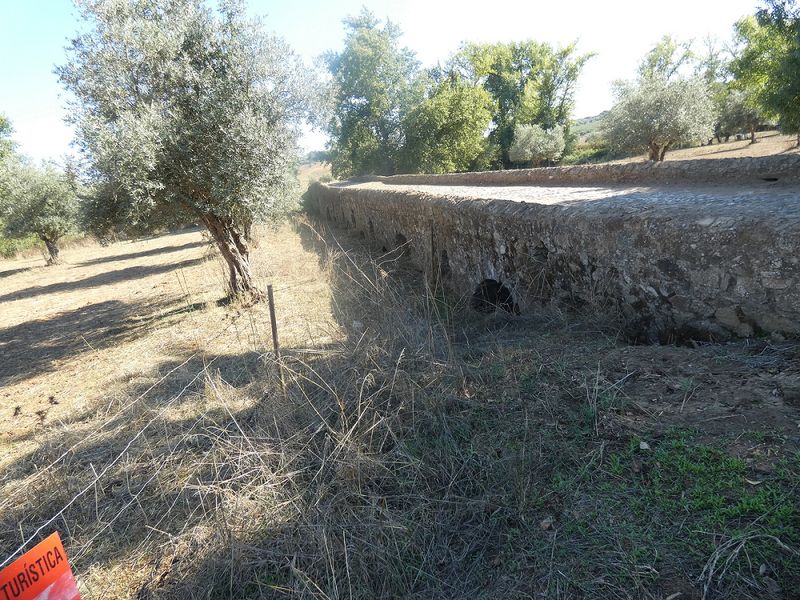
11	272
105	278
144	253
35	347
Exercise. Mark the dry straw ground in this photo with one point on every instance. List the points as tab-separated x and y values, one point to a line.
418	450
768	143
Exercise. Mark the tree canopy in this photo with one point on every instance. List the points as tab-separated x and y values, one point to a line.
666	59
445	132
767	65
42	201
535	145
530	82
664	107
180	109
390	117
737	113
375	85
655	115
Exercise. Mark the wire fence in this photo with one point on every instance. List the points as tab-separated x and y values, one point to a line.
102	429
34	536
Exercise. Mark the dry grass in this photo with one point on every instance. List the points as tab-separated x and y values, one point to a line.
311	172
418	451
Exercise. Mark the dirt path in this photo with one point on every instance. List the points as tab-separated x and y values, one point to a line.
74	335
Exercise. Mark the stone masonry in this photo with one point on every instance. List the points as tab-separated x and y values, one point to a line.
701	250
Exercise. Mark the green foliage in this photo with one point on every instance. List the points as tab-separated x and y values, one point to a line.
535	145
42	202
657	114
445	132
588	126
375	85
767	65
6	145
10	247
593	150
666	59
712	486
529	82
7	156
737	113
663	107
181	109
177	107
316	156
108	211
388	117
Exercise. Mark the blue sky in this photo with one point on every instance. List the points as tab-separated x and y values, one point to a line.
33	34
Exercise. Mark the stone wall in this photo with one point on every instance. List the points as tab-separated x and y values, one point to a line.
676	263
784	168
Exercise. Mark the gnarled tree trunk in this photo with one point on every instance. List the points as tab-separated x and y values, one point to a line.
248	234
52	250
236	253
656	151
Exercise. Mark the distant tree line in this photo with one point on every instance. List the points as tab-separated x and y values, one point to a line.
510	104
390	116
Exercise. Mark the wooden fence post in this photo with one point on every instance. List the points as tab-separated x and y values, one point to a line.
275	344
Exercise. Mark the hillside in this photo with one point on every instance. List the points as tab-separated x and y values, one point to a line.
588	126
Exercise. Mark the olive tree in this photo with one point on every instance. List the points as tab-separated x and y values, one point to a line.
536	145
738	113
42	201
656	114
181	109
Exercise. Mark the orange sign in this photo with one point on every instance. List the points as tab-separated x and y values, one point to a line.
42	573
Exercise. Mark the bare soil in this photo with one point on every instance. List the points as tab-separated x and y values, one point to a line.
768	143
74	336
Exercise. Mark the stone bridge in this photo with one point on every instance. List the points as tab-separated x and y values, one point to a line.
683	250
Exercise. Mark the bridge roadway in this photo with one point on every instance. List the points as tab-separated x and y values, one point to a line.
778	203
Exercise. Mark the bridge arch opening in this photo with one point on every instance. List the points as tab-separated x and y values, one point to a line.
491	296
400	242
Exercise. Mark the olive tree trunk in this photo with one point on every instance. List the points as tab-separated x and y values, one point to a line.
248	234
234	250
657	152
52	250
